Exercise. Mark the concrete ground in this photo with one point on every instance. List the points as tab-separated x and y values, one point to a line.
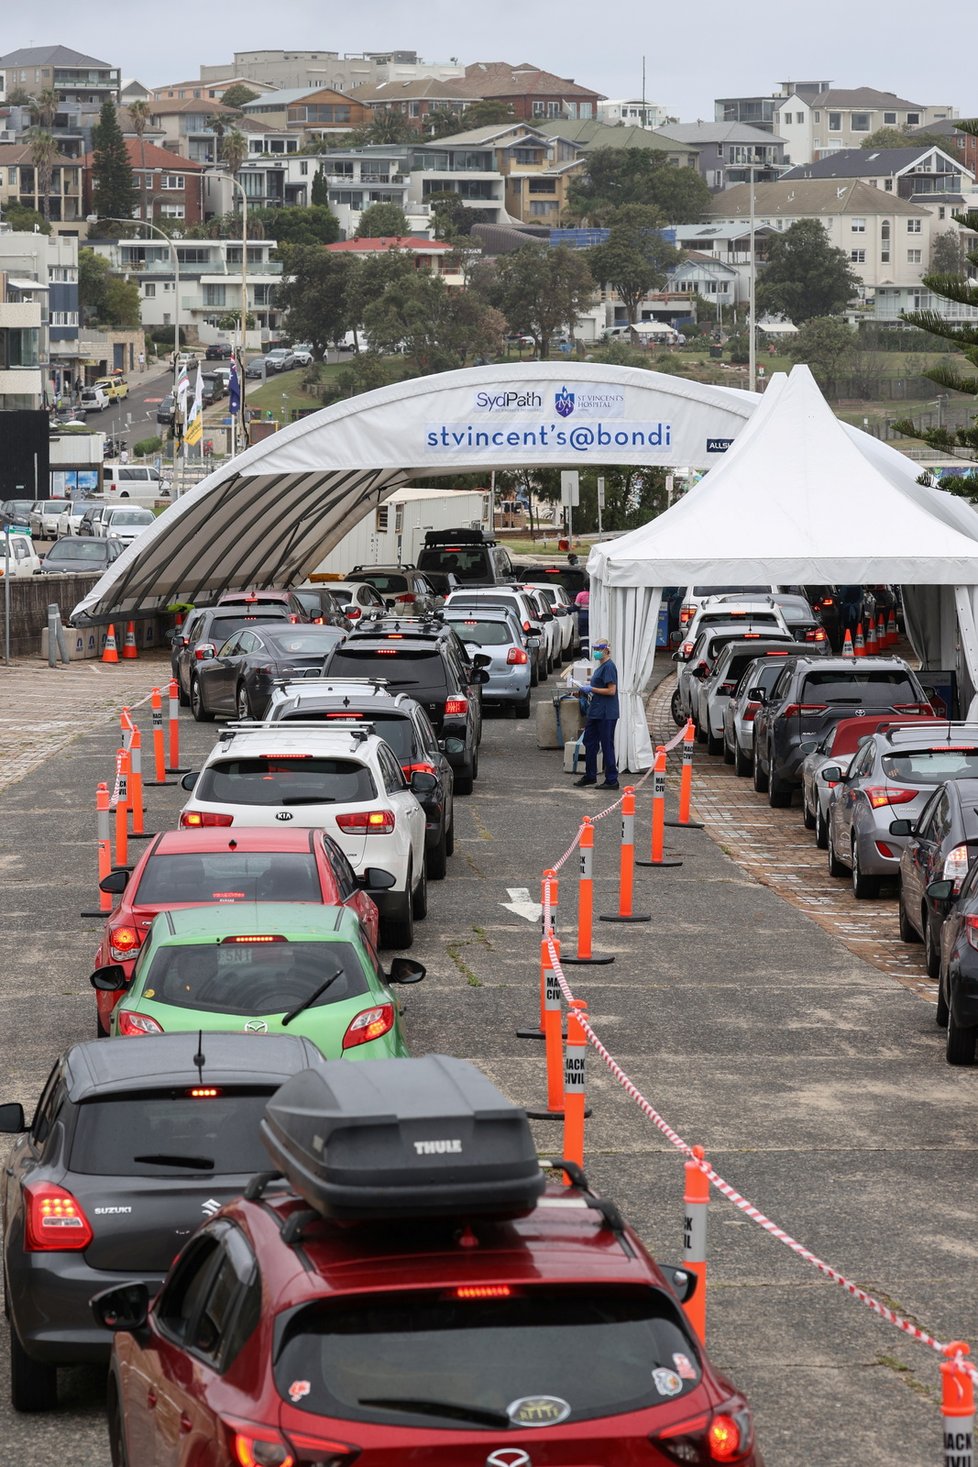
815	1081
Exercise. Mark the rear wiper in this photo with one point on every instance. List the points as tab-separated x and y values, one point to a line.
205	1163
457	1411
308	1002
309	800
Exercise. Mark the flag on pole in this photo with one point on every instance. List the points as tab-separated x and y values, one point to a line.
194	431
234	391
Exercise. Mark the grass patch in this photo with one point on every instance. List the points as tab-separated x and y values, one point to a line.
454	950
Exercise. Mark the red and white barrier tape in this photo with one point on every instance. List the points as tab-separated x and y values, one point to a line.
724	1187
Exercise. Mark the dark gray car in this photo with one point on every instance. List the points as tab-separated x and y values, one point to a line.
207	628
71	555
132	1145
237	680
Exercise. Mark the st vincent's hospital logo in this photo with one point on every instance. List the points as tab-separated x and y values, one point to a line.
564	402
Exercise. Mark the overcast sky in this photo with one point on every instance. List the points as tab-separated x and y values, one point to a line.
691	56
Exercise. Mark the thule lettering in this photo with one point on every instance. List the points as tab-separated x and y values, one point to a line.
437	1148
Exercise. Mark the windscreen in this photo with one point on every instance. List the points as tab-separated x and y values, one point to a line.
699	591
252	978
873	689
478	633
304	641
131	517
170	1133
931	766
229	876
272	780
386	584
81	550
223	627
414	667
594	1351
465	563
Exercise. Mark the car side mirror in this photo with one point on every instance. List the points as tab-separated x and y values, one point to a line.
901	827
406	970
481	659
757	695
808	747
682	1281
831	773
478	677
940	891
12	1119
116	881
111	979
375	878
423	783
126	1307
190	779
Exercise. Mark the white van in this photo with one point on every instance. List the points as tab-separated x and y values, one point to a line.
92	400
133	481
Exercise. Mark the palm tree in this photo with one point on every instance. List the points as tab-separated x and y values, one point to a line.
139	117
234	150
43	108
44	150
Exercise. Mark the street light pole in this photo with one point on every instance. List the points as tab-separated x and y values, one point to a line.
235	183
751	297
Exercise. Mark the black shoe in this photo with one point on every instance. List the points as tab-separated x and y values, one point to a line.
610	784
585	779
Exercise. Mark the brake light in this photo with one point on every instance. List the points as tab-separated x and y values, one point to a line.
386	651
254	1446
827	601
54	1221
457	707
123	942
924	708
724	1439
204	1092
956	866
367	822
751	636
971	930
318	621
794	709
274	759
134	1026
516	657
344	715
198	819
354	613
815	634
369	1024
686	614
750	712
527	626
255	937
204	649
410	769
879	795
482	1291
718	1436
779	652
407	596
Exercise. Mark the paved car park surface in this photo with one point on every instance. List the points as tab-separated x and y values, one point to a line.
816	1082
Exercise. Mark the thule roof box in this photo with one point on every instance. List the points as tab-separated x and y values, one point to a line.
456	537
402	1138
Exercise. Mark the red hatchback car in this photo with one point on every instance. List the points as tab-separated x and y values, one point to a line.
197	868
468	1337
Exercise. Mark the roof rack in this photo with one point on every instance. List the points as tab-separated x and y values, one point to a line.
456	537
407	565
339	683
288	726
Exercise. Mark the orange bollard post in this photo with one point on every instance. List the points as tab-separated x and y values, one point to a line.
696	1200
552	1025
859	646
160	780
871	647
686	782
626	870
126	727
547	882
585	903
174	710
138	831
957	1408
892	635
659	814
122	807
575	1085
103	828
882	641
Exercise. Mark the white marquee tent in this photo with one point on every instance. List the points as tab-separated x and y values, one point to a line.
799	498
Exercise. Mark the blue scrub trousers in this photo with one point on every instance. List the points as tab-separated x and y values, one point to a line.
599	733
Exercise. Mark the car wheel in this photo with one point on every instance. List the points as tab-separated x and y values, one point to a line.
908	932
728	753
760	778
714	746
33	1385
942	1011
183	697
534	673
742	765
545	669
960	1042
117	1432
863	887
419	899
836	867
197	708
676	709
932	948
101	1032
475	765
437	857
778	793
807	815
522	710
397	929
821	827
243	703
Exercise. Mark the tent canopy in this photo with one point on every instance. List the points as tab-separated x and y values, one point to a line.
800	498
270	515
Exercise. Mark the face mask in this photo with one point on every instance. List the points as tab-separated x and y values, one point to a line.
597	656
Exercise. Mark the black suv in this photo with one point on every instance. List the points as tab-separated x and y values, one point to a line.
130	1148
405	726
811	695
208	627
573	578
467	555
426	660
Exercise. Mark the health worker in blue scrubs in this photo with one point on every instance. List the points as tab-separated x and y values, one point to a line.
602	719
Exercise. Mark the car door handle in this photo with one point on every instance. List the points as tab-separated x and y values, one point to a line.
151	1398
186	1425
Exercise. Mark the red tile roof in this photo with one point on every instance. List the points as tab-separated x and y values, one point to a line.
150	156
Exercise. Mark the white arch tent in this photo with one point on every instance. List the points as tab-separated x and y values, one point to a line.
271	514
800	498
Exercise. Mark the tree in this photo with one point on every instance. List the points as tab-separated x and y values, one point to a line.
44	107
450	218
44	150
805	275
319	193
437	328
441	123
139	118
315	294
26	220
112	188
315	225
105	299
635	259
619	176
389	126
234	150
486	112
901	137
828	344
236	96
946	253
539	290
382	221
122	309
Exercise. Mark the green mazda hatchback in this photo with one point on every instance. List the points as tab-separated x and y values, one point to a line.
264	968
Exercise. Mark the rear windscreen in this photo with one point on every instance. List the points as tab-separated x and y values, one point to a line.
761	618
274	780
171	1133
572	578
931	766
731	590
223	627
250	978
876	689
230	876
482	633
465	564
387	585
410	668
764	676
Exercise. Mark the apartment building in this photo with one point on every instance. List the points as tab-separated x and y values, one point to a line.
534	94
725	149
430	256
416	100
926	175
56	191
73	76
298	109
619	112
39	348
197	90
343	73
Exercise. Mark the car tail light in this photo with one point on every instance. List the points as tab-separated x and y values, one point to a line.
407	596
369	1024
725	1435
421	768
367	822
879	795
456	707
354	613
971	930
481	1291
320	1453
258	1446
794	709
198	819
203	650
885	851
134	1026
924	708
527	626
686	614
750	712
319	621
54	1221
293	618
956	864
255	937
516	657
815	634
123	942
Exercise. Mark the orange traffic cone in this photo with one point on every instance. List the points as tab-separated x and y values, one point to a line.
109	652
892	635
859	647
847	650
129	649
871	648
881	637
